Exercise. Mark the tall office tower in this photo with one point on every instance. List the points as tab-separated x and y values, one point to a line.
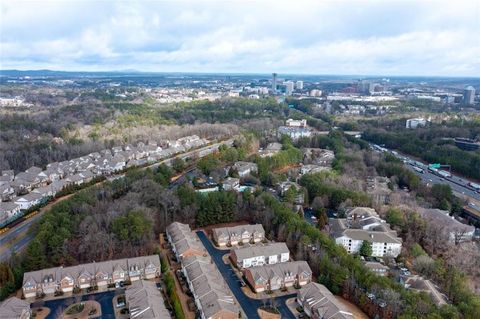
274	82
299	85
469	95
289	85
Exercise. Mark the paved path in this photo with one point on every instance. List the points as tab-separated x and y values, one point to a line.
249	305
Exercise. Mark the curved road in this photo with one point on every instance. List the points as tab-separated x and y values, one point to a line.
249	305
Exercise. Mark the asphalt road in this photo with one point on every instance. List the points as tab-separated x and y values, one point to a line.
457	183
248	304
17	238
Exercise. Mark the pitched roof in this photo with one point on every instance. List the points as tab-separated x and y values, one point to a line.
14	308
145	301
321	301
280	270
267	250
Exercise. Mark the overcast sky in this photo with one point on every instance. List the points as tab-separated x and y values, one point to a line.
312	37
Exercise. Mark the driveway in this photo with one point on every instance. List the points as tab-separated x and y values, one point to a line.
248	305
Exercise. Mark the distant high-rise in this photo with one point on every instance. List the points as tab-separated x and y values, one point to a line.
289	85
274	82
469	95
299	85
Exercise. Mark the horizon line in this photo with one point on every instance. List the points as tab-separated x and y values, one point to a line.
238	73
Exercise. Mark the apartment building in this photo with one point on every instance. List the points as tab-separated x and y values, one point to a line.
278	276
184	242
364	224
238	234
260	255
65	279
319	303
245	168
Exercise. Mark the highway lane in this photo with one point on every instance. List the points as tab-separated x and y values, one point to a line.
457	183
453	182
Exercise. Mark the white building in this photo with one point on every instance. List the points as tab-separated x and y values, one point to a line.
296	123
260	255
416	122
316	93
469	95
289	87
294	132
29	200
299	85
245	168
364	224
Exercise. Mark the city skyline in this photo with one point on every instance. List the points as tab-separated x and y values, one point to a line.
400	38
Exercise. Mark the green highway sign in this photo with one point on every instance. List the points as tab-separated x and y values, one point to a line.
436	165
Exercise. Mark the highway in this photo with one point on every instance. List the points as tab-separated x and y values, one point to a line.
458	184
17	238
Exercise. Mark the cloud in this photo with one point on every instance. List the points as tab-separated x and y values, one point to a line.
315	37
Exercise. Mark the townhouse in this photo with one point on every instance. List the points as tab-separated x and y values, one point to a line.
101	274
212	295
245	168
238	234
184	242
35	185
260	255
7	192
29	200
8	212
15	308
278	276
145	301
364	224
319	303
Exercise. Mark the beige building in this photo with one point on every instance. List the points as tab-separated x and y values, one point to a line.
278	276
238	234
184	242
65	279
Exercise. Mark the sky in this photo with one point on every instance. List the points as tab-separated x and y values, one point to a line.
351	37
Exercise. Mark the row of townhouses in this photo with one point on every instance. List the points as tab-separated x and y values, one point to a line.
278	276
35	186
247	257
364	224
101	274
319	303
212	295
145	301
184	242
238	234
